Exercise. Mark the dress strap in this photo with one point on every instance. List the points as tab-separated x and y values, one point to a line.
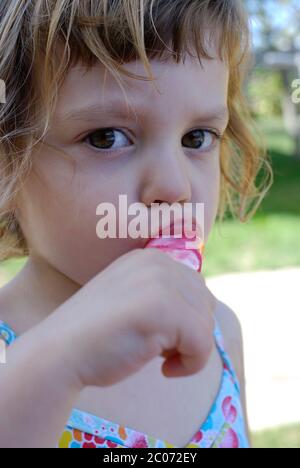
6	333
224	355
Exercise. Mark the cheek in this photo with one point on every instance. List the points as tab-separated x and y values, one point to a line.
58	216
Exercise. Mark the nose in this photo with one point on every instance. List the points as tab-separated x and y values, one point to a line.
166	179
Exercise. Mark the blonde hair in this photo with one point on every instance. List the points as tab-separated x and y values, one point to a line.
41	39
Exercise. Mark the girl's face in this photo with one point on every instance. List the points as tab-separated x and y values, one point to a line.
160	148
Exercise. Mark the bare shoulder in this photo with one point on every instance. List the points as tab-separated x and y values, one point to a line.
232	334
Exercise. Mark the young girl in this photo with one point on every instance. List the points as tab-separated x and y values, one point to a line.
108	344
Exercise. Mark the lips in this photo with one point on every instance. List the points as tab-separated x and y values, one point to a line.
181	227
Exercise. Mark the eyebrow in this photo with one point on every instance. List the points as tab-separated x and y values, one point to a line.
96	111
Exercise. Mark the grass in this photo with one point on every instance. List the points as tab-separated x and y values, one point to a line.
271	239
281	437
276	137
266	242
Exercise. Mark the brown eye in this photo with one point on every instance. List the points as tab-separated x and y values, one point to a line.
105	138
199	139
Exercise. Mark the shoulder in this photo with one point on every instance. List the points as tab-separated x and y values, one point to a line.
232	335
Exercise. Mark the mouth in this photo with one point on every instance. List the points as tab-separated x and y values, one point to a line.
181	231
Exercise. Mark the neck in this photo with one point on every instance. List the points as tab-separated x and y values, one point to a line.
34	293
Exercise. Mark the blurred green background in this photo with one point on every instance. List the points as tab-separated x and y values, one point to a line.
271	239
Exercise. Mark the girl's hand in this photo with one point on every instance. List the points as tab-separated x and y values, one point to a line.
144	305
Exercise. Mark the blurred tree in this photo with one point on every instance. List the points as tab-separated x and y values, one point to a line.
275	24
265	90
276	38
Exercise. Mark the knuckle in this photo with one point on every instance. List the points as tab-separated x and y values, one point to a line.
154	254
161	297
158	275
205	348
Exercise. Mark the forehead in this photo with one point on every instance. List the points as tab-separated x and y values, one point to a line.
179	87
